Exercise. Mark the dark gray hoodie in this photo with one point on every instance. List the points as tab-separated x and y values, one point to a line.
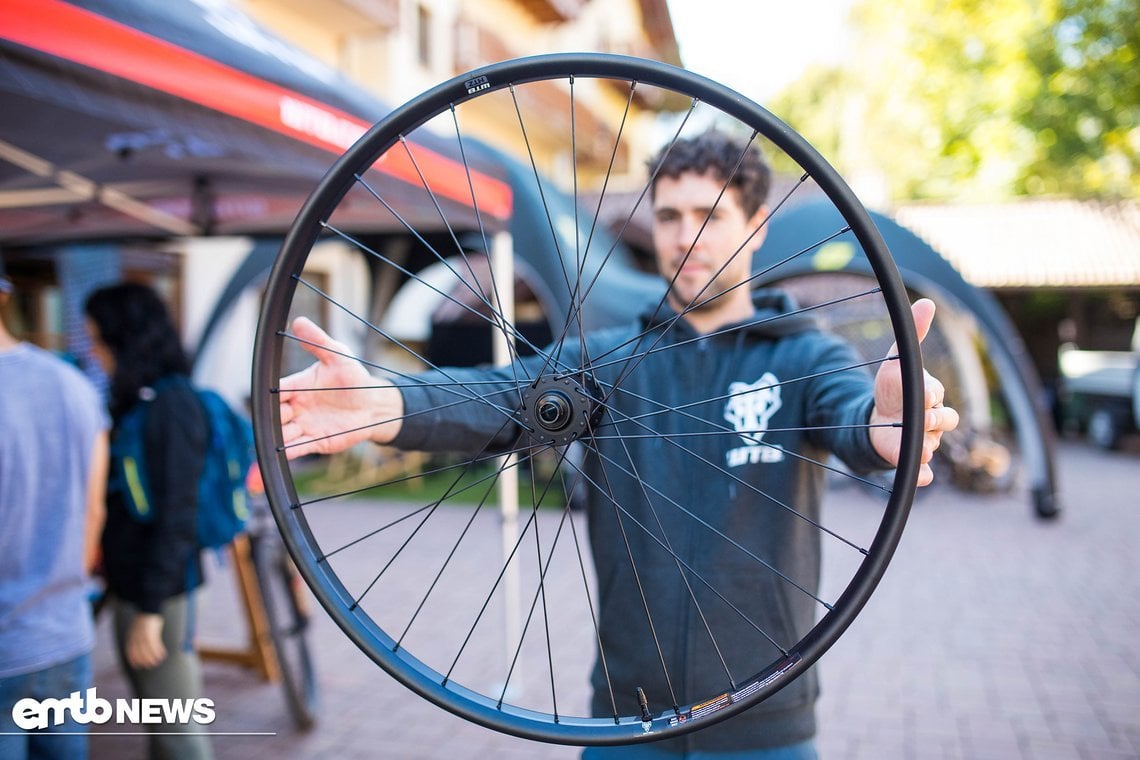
712	444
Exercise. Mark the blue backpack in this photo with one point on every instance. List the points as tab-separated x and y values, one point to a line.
223	499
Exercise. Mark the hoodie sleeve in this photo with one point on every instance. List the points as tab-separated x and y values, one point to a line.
839	403
464	410
469	409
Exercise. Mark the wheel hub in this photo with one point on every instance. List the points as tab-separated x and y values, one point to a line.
557	409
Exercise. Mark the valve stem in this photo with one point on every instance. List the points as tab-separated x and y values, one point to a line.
644	703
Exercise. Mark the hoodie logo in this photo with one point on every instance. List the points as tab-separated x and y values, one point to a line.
749	408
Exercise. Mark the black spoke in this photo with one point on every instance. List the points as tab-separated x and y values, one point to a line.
499	322
462	467
659	328
690	571
490	595
637	204
384	334
606	491
727	539
670	439
451	554
539	594
597	636
677	560
745	433
758	322
781	383
426	516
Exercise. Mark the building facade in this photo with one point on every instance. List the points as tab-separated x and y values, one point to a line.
396	49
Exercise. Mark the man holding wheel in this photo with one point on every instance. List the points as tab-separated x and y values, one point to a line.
788	395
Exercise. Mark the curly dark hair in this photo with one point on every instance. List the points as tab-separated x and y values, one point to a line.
135	324
720	154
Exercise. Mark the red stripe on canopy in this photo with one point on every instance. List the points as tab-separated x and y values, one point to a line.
86	38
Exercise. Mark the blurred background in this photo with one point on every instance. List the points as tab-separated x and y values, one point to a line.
174	143
996	144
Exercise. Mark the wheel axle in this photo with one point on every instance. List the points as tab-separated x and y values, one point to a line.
557	409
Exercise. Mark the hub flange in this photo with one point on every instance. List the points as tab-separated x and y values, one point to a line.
557	409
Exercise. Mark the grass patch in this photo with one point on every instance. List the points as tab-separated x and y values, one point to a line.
459	485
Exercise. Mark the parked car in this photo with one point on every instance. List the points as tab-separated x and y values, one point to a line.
1100	391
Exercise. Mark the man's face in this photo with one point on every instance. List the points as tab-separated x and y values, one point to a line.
681	205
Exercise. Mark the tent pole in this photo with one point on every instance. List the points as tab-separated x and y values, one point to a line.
83	188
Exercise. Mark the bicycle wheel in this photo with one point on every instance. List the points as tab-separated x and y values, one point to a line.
499	617
282	593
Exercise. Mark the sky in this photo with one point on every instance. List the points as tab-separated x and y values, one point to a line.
757	47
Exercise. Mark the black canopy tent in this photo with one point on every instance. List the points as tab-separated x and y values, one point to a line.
127	117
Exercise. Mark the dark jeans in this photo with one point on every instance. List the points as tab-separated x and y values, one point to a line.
67	741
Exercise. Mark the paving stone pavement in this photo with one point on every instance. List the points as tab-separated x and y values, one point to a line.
992	635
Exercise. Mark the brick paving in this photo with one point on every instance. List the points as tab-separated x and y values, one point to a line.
992	635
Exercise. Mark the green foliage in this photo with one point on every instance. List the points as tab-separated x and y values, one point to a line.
980	99
815	111
1085	109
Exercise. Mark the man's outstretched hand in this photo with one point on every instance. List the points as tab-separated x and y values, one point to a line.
334	403
938	419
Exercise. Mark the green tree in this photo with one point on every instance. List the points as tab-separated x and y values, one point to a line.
979	99
1085	109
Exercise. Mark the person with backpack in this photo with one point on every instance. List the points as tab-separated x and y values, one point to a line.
151	566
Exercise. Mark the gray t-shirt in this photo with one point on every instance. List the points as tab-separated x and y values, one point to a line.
50	416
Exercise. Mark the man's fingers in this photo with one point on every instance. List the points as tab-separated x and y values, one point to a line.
935	391
287	412
941	419
315	341
320	345
296	443
937	419
922	311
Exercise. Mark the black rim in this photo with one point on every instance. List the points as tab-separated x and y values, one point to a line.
300	516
